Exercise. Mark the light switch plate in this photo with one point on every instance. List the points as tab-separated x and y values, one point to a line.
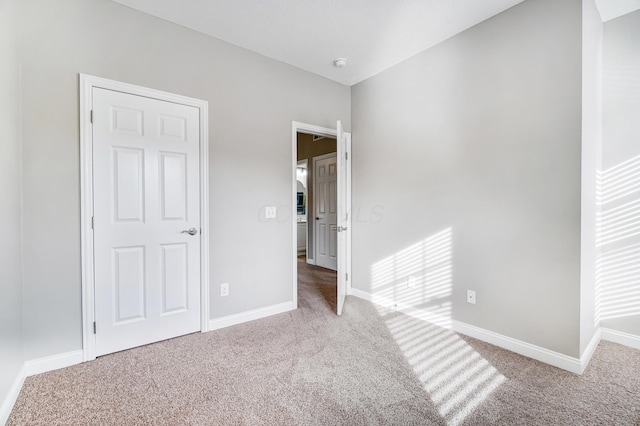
270	212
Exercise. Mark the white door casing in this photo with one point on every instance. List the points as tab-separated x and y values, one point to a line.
325	210
144	279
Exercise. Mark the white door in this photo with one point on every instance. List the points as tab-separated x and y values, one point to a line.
146	220
325	210
343	148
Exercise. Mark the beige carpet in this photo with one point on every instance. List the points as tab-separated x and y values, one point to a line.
309	367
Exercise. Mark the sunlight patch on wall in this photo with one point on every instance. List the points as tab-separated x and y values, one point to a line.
456	378
618	239
618	195
618	283
418	278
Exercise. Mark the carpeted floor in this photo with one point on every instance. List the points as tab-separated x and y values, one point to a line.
309	367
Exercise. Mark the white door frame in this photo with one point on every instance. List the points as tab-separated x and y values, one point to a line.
87	83
298	127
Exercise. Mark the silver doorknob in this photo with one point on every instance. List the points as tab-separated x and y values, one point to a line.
190	231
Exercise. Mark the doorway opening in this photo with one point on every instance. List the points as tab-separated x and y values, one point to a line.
321	200
316	216
316	199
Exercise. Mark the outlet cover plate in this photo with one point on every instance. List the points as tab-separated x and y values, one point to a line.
471	297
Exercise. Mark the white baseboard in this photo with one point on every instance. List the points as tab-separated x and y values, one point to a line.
54	362
229	320
361	294
626	339
529	350
12	396
32	367
585	359
547	356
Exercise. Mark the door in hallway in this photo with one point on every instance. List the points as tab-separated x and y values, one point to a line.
326	210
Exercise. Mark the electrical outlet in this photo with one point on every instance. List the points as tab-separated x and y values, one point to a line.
270	212
471	297
224	289
411	281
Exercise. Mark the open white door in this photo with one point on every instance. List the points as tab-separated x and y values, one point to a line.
343	148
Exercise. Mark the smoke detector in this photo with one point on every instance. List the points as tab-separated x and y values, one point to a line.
339	62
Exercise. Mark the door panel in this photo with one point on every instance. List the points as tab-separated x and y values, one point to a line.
129	280
333	242
175	277
126	187
146	193
126	121
173	186
322	239
325	210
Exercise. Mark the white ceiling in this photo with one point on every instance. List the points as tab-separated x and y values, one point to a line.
372	35
610	9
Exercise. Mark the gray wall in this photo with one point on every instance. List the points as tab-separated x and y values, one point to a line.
621	150
11	344
480	135
592	38
252	102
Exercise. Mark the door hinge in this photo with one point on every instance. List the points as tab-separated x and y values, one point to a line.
92	222
346	156
94	327
347	276
91	116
